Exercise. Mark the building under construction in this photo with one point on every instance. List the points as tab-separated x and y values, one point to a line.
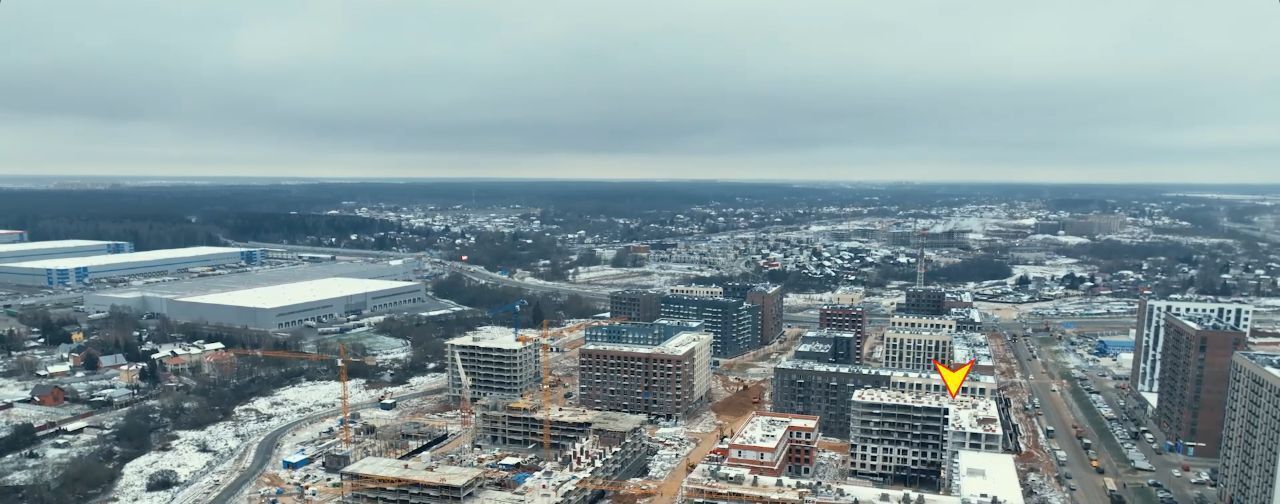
383	480
518	425
494	362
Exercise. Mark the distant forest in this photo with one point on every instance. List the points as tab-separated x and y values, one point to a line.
156	216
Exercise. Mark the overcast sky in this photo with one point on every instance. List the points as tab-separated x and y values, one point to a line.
1136	90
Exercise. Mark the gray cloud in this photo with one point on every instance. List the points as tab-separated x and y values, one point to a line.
1145	90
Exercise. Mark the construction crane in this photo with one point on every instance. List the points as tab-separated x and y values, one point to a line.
342	361
545	354
464	402
514	308
922	237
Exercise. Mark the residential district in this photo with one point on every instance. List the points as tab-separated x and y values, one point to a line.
271	372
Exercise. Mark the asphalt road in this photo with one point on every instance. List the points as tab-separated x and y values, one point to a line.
1057	414
266	447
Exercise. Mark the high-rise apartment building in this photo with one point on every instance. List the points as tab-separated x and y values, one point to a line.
1196	360
845	318
635	305
769	298
826	345
641	333
916	349
1149	342
825	390
495	364
734	323
907	436
1250	454
668	380
924	301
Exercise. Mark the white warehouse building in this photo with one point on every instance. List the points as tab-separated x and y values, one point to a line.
80	270
291	305
26	251
12	236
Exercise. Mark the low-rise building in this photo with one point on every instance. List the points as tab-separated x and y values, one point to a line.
775	444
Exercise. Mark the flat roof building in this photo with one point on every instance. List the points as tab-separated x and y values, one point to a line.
984	477
668	380
291	305
495	364
825	390
69	271
24	251
1195	364
916	349
903	436
1250	454
776	444
379	479
12	236
734	323
635	305
1149	342
924	301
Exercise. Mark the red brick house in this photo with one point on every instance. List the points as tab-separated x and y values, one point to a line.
48	395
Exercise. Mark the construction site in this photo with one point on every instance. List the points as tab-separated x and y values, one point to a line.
511	423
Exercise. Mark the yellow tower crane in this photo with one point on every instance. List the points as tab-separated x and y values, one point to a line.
342	361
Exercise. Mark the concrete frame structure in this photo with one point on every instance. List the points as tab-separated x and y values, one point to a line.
897	435
517	425
290	305
25	251
848	319
669	380
775	444
430	485
1196	362
1250	454
832	346
825	390
496	364
80	270
1149	341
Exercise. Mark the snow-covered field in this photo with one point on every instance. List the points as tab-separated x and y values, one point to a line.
203	456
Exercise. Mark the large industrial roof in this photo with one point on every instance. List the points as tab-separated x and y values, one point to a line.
418	472
111	259
274	296
41	245
262	277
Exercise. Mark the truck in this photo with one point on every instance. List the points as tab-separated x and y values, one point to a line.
1086	443
98	316
1049	431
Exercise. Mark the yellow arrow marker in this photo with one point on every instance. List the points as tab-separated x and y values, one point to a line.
953	377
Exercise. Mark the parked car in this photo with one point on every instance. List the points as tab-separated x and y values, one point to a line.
1176	473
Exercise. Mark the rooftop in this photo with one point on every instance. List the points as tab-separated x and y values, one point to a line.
968	414
379	467
677	345
40	245
785	489
1201	322
1267	360
966	346
878	371
261	278
299	292
768	430
110	259
979	476
494	337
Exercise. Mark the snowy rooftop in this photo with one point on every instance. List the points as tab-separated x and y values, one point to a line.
677	345
51	244
1269	361
979	476
768	430
967	414
112	259
494	337
379	467
289	294
846	368
784	489
966	346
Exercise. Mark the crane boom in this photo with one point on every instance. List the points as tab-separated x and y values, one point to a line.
342	361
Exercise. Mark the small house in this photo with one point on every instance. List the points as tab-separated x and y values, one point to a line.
112	361
48	395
